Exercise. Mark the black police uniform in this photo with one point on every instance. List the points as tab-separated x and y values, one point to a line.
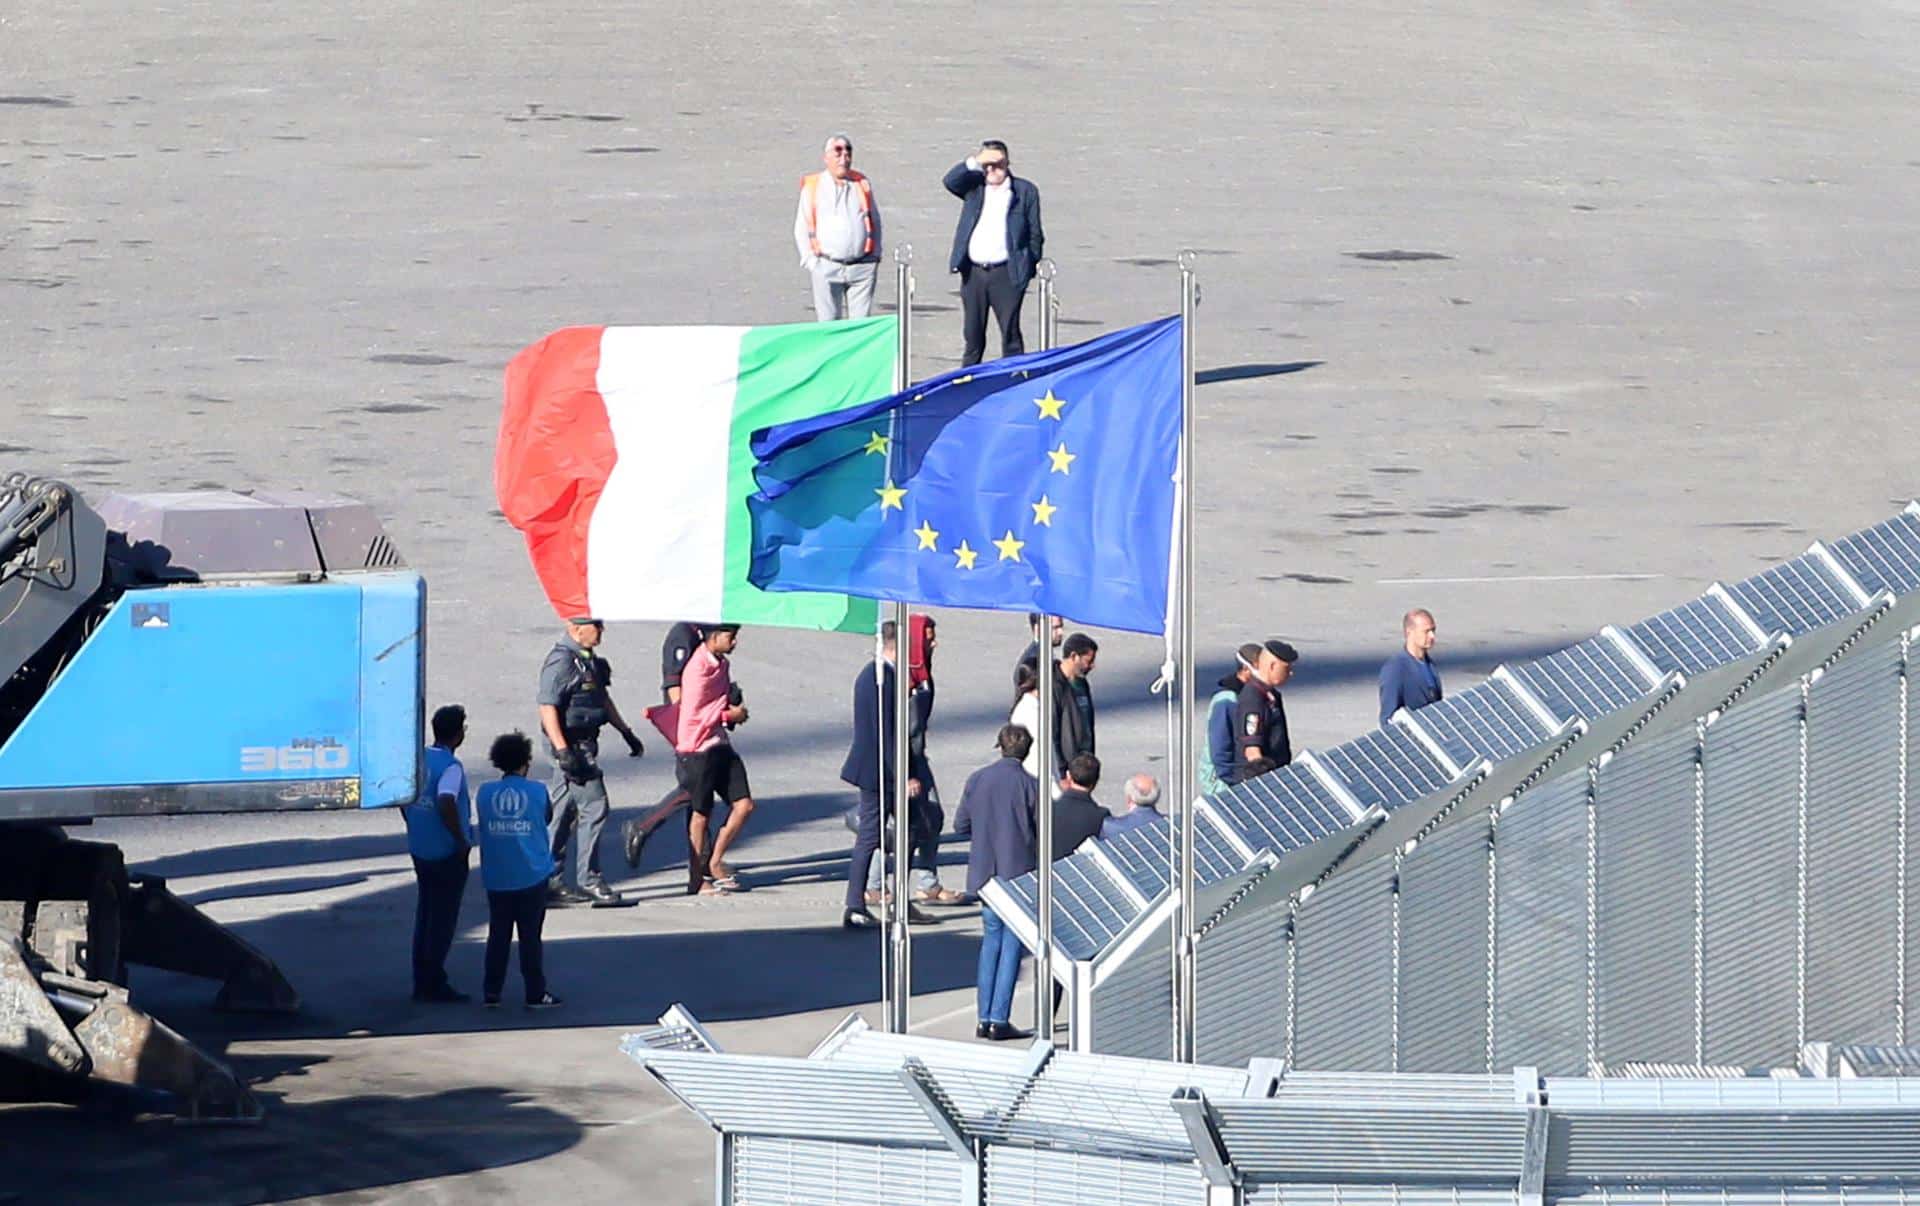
1259	720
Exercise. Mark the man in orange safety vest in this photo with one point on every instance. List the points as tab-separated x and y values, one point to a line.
837	231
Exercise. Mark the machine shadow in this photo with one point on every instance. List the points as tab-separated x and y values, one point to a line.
371	1144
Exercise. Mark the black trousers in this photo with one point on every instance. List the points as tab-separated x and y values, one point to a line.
524	910
992	288
866	841
436	915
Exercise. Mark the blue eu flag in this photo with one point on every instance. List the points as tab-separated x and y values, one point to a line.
1042	482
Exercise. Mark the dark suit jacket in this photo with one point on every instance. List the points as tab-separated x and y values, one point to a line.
1075	819
997	809
1026	241
866	762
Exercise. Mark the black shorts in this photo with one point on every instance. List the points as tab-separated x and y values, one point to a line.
710	773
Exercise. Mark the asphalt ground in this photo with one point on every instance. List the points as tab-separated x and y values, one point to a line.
1542	318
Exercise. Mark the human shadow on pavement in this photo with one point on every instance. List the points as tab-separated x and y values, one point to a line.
372	1144
1244	372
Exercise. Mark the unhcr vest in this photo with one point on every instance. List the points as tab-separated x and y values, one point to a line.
427	836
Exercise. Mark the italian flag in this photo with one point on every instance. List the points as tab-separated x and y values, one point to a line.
623	459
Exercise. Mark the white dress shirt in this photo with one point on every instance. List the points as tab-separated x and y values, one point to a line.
988	242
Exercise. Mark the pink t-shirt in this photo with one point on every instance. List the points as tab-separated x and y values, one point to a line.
704	686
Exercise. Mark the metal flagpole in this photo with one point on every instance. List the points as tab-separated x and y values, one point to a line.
1043	686
896	960
1185	984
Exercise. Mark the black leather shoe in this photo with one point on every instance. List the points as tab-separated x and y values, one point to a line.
601	895
633	839
919	916
859	919
980	1029
446	994
562	896
1006	1032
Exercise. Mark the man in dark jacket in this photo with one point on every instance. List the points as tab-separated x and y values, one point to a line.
996	246
869	768
997	809
1408	680
1076	817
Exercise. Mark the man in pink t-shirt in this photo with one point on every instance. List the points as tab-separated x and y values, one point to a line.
705	760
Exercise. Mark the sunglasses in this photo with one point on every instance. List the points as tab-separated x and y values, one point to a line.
993	165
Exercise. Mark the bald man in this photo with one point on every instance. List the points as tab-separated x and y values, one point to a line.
1409	680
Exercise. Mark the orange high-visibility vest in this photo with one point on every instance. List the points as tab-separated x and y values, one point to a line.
810	197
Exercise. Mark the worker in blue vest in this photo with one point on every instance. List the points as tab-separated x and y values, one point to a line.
515	860
439	835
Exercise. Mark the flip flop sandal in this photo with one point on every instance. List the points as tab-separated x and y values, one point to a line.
722	887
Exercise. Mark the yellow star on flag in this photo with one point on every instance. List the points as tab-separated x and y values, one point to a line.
1061	458
927	536
1049	405
1009	547
963	556
891	496
1043	512
877	443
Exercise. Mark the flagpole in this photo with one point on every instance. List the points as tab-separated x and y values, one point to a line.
896	961
1043	688
1186	986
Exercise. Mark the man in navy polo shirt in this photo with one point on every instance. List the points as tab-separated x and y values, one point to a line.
1408	680
439	834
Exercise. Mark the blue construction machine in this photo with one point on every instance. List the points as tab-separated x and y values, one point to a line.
169	654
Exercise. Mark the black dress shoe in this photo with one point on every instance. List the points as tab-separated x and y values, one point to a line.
1006	1032
601	895
919	916
633	839
562	896
859	919
980	1029
446	994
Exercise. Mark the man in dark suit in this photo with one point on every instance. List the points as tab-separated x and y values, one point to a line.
1076	816
997	811
996	246
869	767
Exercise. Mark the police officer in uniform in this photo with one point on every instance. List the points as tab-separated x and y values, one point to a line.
574	706
1260	741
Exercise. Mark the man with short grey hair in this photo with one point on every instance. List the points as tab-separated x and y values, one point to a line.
837	231
1142	796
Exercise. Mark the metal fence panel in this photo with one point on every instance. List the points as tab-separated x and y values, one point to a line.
1443	950
1269	1140
1910	832
1282	810
1885	556
1644	857
1795	596
1587	680
1241	969
1705	1146
1694	636
1343	971
1026	1176
1752	844
1326	1194
1387	767
1487	720
1540	925
1853	838
772	1171
1133	1007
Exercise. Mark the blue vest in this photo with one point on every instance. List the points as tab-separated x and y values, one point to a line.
513	834
427	836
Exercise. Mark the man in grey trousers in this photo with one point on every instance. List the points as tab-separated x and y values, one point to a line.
836	228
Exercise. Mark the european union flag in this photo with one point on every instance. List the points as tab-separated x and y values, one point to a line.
1042	482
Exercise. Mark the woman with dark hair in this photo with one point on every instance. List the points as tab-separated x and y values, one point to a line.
1026	712
515	861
